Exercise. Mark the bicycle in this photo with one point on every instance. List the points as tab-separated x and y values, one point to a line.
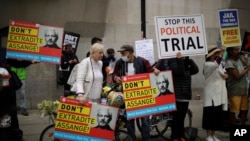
47	133
160	123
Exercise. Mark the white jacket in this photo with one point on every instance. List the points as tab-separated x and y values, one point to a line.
85	76
215	86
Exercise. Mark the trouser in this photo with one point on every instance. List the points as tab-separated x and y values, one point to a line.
177	126
145	133
66	75
21	95
8	110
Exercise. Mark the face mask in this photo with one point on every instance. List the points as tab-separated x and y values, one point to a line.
124	58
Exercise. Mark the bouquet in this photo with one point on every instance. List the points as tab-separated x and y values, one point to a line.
47	107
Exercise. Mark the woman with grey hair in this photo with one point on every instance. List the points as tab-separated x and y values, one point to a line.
89	76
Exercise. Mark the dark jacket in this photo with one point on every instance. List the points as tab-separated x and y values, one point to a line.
7	63
182	69
141	65
65	60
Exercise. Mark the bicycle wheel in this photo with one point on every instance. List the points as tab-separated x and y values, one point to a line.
158	125
121	135
48	133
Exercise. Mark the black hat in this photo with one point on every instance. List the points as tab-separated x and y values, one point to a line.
126	48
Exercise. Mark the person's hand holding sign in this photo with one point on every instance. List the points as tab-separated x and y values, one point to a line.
179	55
81	99
118	79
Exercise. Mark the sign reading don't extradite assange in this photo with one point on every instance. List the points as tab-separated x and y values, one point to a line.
91	122
185	34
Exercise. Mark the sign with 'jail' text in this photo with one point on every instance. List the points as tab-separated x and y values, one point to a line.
185	34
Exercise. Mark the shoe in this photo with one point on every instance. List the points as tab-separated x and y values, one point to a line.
215	138
24	112
209	138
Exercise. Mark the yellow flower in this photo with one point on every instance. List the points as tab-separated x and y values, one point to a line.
47	107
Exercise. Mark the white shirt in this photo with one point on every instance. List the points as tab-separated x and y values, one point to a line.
95	91
131	69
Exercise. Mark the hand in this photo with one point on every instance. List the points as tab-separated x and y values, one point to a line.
71	61
179	55
81	99
248	68
156	71
118	79
35	61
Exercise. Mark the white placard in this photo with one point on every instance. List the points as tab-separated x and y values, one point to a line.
145	49
185	34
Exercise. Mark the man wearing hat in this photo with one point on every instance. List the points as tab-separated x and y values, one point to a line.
129	64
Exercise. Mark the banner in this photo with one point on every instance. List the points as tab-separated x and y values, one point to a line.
229	27
147	94
185	34
85	123
31	41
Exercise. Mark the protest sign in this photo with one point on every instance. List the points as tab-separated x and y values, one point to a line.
85	123
31	41
185	34
71	38
148	94
145	49
229	27
246	43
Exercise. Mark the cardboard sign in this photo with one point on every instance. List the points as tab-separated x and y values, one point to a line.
85	123
145	49
31	41
185	34
229	27
147	94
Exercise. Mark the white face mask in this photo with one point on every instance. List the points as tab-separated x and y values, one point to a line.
124	58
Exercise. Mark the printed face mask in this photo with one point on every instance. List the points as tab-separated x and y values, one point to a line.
124	58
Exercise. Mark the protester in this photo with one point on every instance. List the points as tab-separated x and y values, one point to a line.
89	77
215	93
68	61
111	59
237	70
20	68
182	69
105	62
129	64
8	106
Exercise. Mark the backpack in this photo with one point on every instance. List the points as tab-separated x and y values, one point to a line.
191	134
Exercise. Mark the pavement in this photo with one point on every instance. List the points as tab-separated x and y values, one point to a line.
33	124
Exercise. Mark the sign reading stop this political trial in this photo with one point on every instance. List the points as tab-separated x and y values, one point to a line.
185	34
85	123
148	94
